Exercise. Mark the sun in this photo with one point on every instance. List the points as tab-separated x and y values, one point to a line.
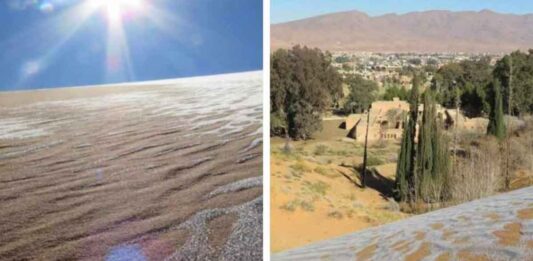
117	9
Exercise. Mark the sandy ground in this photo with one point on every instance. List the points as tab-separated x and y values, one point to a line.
146	172
494	228
317	195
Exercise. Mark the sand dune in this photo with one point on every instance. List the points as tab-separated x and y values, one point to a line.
494	228
165	170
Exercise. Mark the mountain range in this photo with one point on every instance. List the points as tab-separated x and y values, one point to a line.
429	31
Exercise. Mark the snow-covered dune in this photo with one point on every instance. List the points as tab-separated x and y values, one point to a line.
164	169
494	228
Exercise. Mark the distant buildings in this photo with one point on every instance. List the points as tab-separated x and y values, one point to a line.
391	67
386	121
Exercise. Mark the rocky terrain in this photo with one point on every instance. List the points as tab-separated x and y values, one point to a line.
494	228
427	32
165	170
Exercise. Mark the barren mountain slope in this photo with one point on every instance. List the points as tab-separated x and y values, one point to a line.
430	31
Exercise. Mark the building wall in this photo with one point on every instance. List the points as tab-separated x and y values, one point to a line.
382	128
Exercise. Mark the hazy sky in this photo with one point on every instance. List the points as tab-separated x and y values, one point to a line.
286	10
53	43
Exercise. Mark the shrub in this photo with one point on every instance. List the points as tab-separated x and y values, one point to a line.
321	150
294	204
479	174
318	187
335	214
300	167
374	161
289	206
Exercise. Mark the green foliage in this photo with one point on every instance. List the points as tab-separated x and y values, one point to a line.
422	173
374	161
303	86
521	66
415	61
395	91
473	82
342	59
496	125
406	160
402	167
425	144
278	123
362	94
470	79
432	155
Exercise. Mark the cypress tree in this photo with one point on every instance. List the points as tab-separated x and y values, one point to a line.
402	167
433	157
441	163
404	183
496	125
413	119
425	150
422	171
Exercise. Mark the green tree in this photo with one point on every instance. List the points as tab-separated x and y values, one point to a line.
395	91
405	169
422	171
402	166
432	154
425	145
469	79
303	85
362	94
518	68
496	125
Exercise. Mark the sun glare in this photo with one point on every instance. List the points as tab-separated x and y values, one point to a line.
117	9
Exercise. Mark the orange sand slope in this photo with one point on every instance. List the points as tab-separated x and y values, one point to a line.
316	197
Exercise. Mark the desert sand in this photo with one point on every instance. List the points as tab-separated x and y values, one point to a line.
153	171
316	193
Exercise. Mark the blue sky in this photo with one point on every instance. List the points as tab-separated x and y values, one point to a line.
56	43
287	10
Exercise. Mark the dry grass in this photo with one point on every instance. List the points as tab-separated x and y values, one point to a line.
479	175
480	172
314	191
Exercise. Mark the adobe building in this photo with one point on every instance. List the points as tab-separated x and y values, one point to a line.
387	121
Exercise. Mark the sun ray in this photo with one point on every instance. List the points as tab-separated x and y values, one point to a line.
118	59
54	28
57	30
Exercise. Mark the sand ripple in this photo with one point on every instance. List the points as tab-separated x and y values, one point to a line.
128	170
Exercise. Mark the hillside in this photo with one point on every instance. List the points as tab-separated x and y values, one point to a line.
316	183
430	31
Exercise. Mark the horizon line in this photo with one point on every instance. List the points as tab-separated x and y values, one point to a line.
400	13
132	83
